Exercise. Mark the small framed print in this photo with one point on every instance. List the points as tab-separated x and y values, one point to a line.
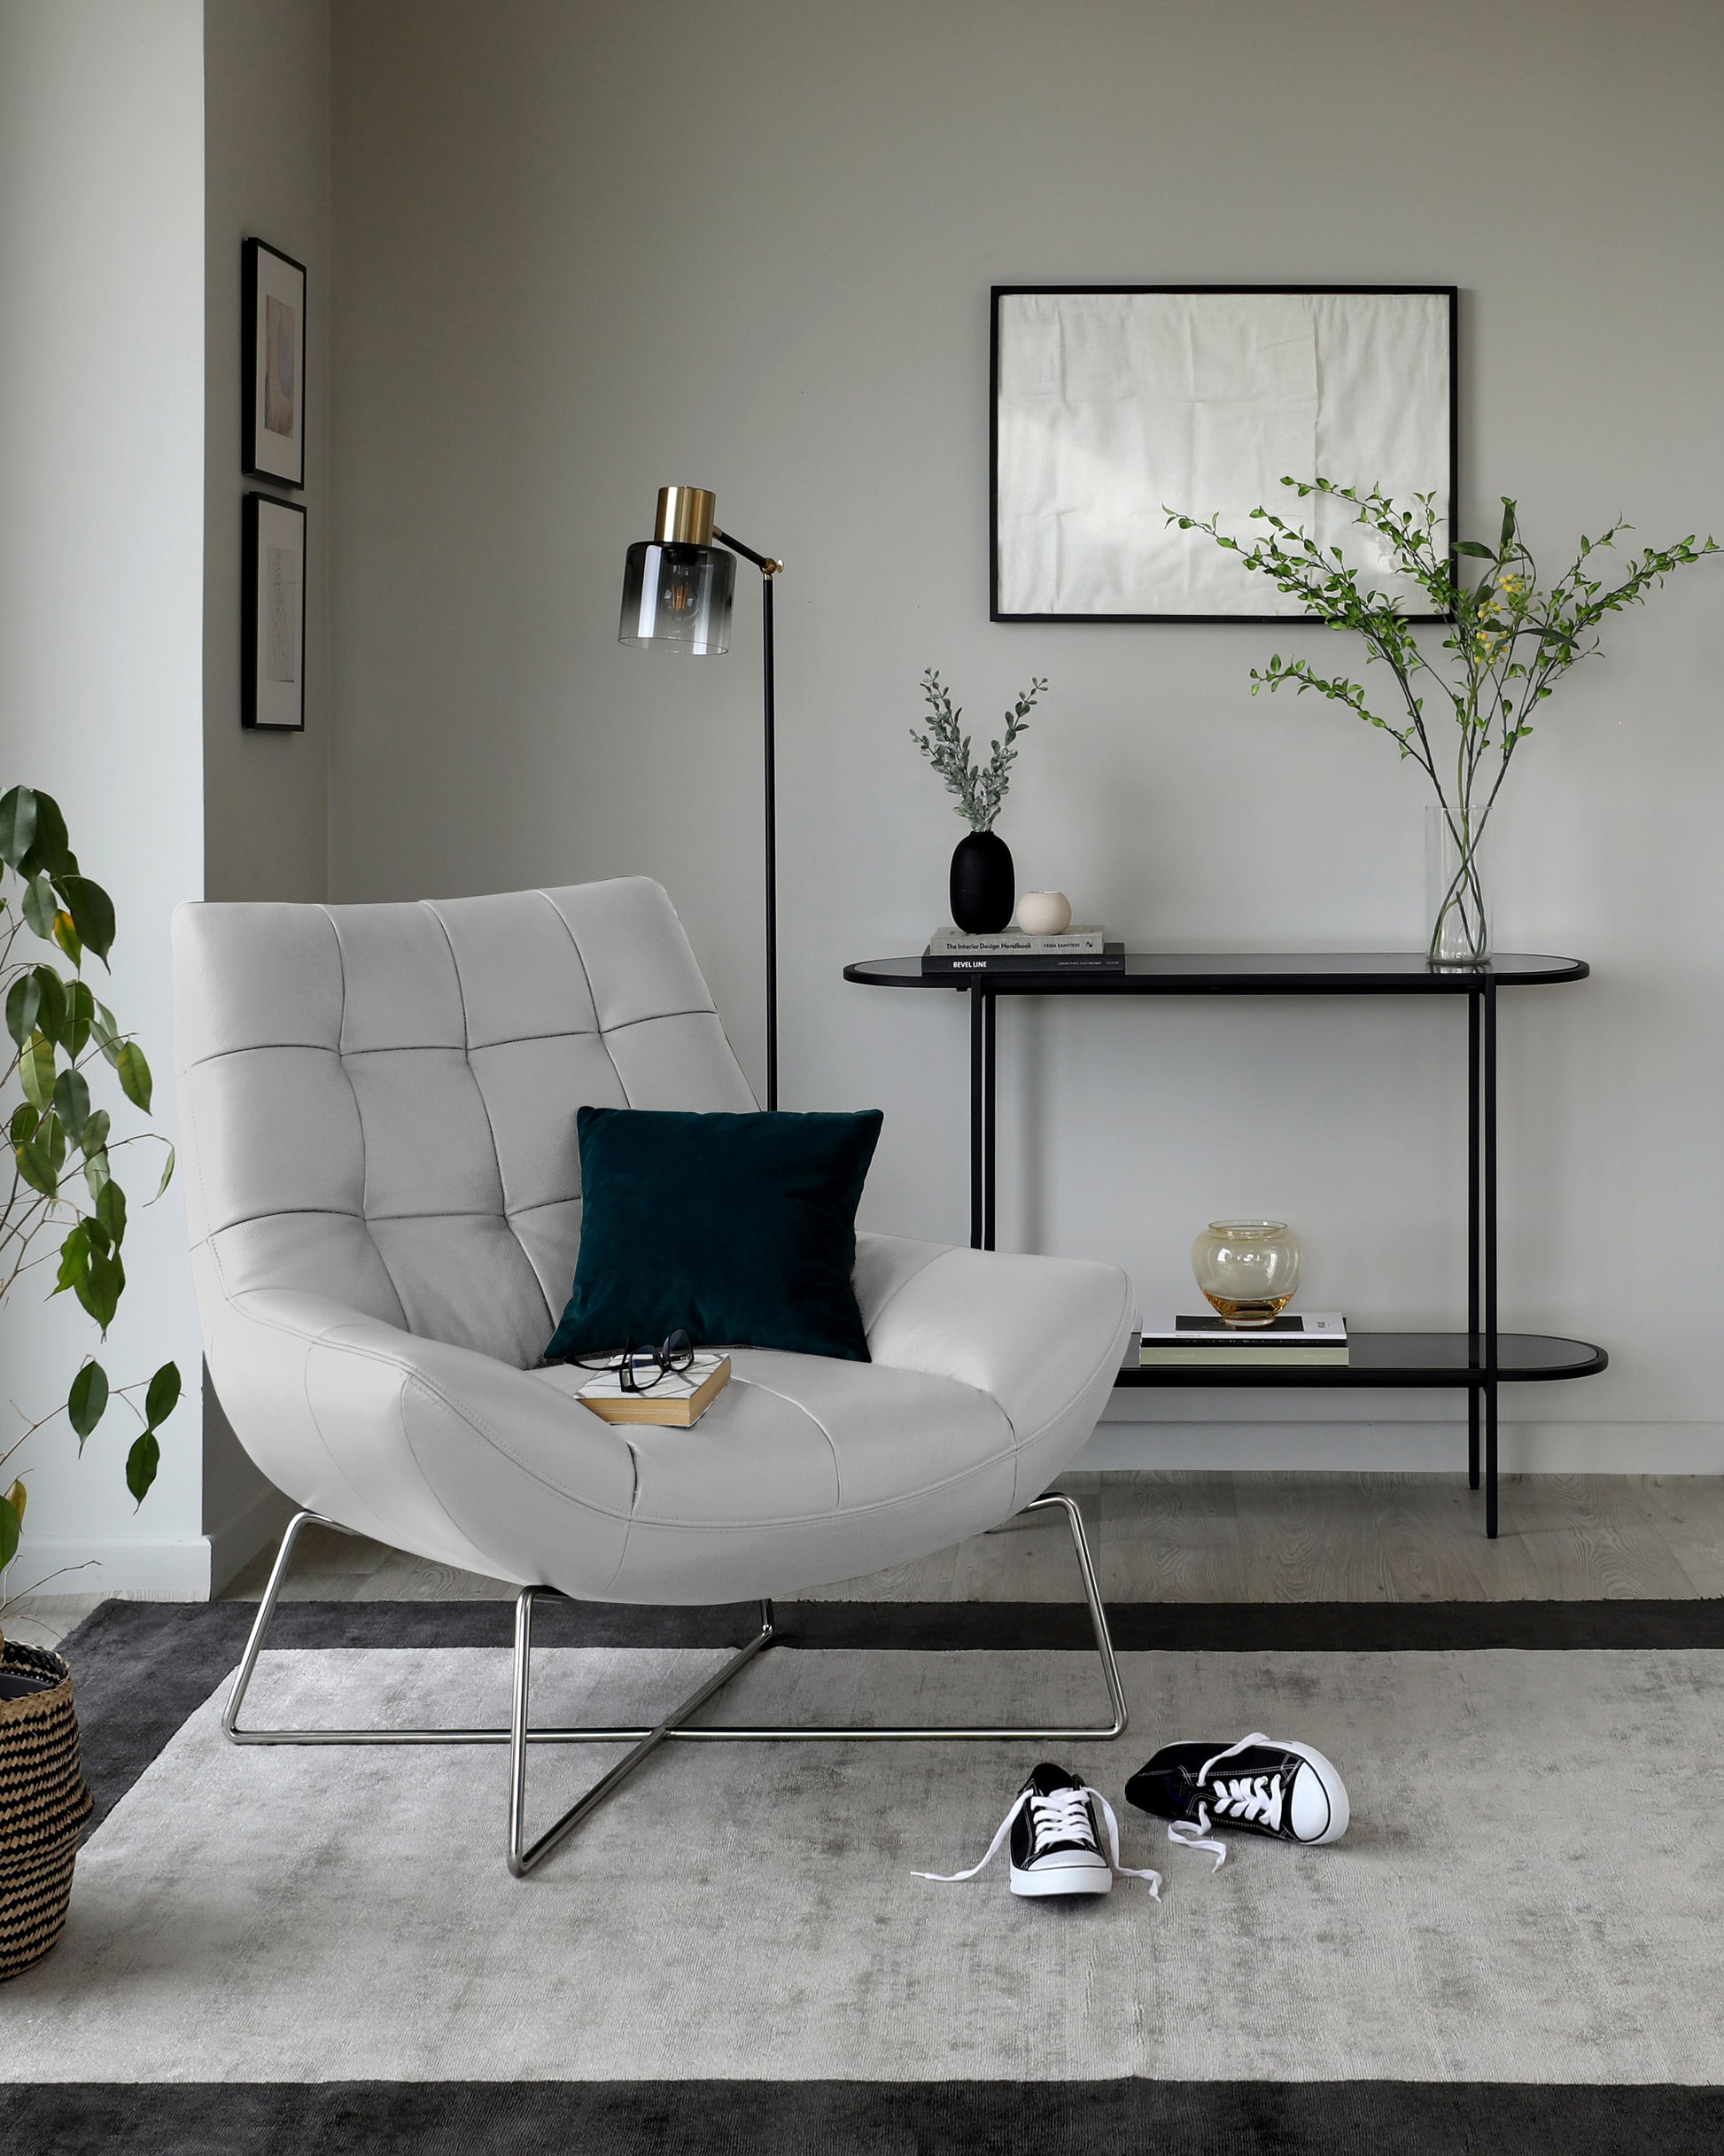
273	642
273	397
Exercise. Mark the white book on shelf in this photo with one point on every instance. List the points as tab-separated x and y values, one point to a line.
1292	1329
1016	943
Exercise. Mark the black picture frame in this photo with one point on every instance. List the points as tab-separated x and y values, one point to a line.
1449	293
272	364
273	615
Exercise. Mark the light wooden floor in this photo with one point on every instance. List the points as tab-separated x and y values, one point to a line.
1195	1537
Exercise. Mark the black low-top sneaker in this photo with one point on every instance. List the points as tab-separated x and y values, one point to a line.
1055	1824
1288	1792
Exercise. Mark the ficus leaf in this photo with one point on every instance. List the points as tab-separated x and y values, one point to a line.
140	1464
18	824
166	1173
80	1010
51	989
134	1081
39	909
36	1164
111	1212
23	1001
71	1102
163	1396
92	913
100	1289
74	1260
35	1071
19	1496
88	1399
65	934
22	1127
50	854
103	1031
11	1521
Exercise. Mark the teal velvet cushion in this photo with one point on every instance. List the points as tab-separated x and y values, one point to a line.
740	1229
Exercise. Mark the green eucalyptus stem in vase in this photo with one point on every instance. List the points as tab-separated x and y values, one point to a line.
1509	639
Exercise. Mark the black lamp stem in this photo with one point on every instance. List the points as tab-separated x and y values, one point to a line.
768	569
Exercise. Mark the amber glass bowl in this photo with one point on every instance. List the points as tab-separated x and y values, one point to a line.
1247	1269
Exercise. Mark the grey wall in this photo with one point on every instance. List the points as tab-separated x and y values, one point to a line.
267	163
580	252
101	622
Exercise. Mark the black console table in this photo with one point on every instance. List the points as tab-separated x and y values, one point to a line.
1478	1360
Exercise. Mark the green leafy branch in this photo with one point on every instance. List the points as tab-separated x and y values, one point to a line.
64	1192
980	788
1509	641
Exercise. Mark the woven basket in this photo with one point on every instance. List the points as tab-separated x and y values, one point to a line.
43	1805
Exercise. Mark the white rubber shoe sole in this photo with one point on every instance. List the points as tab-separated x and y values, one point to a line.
1081	1877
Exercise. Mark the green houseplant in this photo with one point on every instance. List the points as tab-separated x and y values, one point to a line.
65	1207
1509	640
983	887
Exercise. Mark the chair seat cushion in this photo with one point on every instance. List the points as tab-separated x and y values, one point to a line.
804	1437
729	1227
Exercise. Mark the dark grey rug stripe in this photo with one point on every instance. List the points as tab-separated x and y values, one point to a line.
142	1668
858	2119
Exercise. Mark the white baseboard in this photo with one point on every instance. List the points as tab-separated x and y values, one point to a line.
130	1566
1124	1440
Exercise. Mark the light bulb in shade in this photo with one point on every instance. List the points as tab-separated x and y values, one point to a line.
677	586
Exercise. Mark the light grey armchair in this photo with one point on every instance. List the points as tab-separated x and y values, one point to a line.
378	1105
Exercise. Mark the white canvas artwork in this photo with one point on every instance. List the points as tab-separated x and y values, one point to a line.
1112	407
275	623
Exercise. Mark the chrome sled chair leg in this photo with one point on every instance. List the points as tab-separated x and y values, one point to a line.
524	1855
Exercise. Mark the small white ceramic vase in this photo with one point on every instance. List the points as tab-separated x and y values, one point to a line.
1045	913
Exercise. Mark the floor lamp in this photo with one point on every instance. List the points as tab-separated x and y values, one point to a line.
677	593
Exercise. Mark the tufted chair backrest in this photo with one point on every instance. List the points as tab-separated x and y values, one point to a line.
378	1102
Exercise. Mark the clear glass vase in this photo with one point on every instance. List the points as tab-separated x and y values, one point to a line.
1460	923
1247	1269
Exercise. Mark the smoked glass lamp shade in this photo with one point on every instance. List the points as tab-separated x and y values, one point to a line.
677	586
677	597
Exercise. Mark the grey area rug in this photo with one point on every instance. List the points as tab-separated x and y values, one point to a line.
321	1950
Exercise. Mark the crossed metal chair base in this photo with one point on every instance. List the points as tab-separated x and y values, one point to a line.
524	1856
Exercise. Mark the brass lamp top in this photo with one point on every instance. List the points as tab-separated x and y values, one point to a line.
685	516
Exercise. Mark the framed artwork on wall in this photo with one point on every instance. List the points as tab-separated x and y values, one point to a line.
273	638
1112	403
273	393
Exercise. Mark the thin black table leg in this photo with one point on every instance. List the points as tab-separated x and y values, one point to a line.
987	1125
1474	1083
1491	1344
976	1141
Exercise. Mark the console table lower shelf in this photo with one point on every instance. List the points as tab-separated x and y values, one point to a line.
1408	1359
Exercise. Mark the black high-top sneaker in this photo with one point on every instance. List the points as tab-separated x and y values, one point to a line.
1055	1826
1288	1792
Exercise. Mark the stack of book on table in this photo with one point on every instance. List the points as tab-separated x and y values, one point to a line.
951	951
1316	1340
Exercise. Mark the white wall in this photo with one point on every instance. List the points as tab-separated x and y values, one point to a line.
101	627
265	827
578	257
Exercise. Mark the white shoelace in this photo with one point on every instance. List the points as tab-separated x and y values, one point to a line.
1248	1796
1063	1817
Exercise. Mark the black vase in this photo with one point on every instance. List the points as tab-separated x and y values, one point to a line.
983	888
